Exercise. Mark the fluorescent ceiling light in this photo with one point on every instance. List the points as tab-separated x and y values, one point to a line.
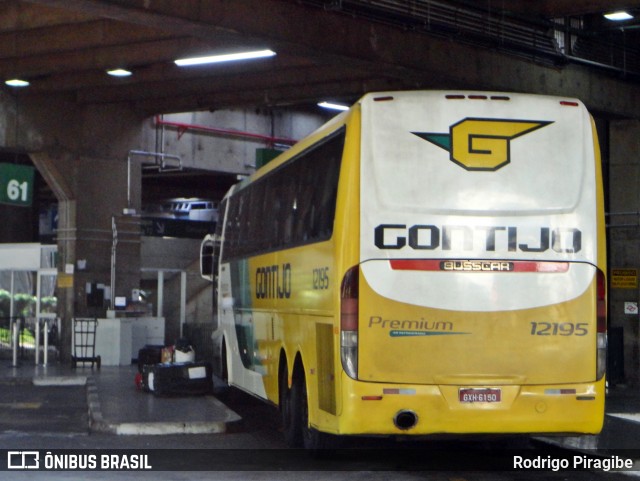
185	62
119	72
17	83
618	16
332	106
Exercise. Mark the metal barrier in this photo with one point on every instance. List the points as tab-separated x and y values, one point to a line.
49	327
10	338
5	334
15	339
23	337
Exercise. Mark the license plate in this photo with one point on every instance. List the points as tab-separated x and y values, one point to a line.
480	395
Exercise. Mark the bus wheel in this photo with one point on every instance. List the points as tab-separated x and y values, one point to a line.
290	409
312	439
295	418
221	384
224	369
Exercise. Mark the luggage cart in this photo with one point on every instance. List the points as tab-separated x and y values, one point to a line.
84	341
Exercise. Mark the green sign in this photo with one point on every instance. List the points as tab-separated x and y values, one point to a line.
16	184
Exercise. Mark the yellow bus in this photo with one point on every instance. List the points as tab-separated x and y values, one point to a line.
426	262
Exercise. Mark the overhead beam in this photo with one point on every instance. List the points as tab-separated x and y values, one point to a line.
336	39
563	8
416	55
178	17
159	73
99	58
267	95
77	37
18	15
293	78
208	24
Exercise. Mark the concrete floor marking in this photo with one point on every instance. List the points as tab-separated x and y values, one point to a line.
635	417
21	405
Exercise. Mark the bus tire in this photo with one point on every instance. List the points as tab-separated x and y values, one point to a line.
314	441
221	390
291	411
295	418
224	368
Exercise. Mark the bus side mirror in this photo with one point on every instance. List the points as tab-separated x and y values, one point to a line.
209	250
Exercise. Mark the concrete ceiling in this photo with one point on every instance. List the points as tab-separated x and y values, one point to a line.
325	48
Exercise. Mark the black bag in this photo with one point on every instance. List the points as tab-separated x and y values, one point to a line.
149	354
179	378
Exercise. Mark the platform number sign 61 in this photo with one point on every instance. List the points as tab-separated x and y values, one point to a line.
16	184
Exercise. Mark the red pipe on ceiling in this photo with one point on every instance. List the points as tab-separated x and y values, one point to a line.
184	127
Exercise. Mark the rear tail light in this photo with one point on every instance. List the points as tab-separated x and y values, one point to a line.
601	313
349	322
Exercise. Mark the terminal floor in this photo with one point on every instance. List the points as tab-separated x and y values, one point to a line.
114	402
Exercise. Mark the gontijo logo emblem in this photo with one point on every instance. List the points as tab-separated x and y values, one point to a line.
481	144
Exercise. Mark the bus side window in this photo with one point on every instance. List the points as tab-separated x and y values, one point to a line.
293	205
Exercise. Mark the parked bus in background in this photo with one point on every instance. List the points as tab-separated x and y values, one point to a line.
424	263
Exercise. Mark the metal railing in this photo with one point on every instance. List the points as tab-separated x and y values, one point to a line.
24	338
555	41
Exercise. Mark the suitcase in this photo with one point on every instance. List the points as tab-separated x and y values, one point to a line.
179	378
149	354
147	370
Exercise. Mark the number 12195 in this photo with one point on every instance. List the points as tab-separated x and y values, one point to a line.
559	329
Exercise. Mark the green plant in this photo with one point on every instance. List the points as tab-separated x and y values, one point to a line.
48	304
24	304
5	303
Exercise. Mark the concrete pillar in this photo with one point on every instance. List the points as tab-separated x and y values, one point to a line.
92	194
52	166
65	287
624	238
82	155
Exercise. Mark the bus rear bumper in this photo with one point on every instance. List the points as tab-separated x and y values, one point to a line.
374	409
